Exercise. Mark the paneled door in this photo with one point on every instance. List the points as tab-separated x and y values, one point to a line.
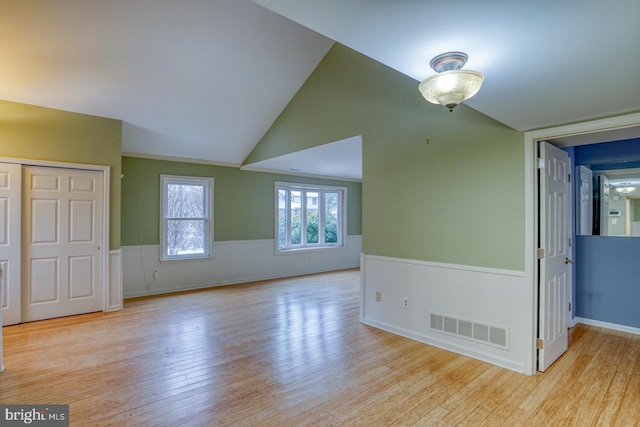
62	263
555	268
10	244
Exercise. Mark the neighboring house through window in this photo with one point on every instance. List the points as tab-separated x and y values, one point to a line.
309	216
186	216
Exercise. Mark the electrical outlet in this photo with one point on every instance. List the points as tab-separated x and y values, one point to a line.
405	302
155	274
378	296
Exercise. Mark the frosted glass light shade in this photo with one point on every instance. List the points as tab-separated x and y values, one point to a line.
625	190
450	88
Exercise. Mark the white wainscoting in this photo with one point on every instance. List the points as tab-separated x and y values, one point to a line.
233	262
473	294
114	291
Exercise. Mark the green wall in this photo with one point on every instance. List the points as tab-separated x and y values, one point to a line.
31	132
458	199
243	201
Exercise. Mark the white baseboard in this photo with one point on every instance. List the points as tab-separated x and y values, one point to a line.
232	263
607	325
449	346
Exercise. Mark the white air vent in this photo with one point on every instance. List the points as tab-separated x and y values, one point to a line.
475	331
465	328
451	325
498	336
437	321
481	332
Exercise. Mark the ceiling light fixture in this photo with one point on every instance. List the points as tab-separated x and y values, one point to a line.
625	190
451	86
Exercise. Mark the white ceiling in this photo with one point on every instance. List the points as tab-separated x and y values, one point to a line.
190	79
205	79
545	62
341	159
620	134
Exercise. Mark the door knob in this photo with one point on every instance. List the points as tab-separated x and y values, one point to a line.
568	261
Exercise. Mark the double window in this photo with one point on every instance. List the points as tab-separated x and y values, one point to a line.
309	216
187	209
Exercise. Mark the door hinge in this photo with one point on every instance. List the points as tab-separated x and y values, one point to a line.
540	253
569	306
570	242
539	344
569	178
540	163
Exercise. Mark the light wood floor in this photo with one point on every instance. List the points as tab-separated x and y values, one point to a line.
292	353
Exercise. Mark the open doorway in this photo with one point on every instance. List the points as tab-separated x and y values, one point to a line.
607	248
605	130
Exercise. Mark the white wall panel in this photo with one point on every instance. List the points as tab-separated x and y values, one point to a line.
45	225
4	220
486	296
81	220
233	262
44	282
81	283
114	291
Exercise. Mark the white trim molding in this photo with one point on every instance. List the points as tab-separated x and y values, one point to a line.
113	297
607	325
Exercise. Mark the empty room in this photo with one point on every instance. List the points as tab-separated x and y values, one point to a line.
279	212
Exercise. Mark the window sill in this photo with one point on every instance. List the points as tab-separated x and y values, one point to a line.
309	249
185	259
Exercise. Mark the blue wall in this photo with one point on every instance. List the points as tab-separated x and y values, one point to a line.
608	279
607	269
609	152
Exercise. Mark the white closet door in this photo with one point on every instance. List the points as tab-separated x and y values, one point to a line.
10	244
62	256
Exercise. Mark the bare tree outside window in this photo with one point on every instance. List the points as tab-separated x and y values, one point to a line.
186	216
185	227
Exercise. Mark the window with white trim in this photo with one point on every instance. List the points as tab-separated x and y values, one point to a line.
309	216
186	229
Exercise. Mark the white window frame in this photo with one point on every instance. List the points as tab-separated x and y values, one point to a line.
321	190
207	183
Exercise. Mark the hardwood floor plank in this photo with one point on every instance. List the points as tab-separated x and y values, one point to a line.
494	396
629	413
592	403
610	407
568	410
292	352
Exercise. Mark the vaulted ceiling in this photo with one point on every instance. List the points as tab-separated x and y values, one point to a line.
205	79
200	79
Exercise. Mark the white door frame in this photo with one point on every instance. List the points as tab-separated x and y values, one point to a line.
106	171
531	207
